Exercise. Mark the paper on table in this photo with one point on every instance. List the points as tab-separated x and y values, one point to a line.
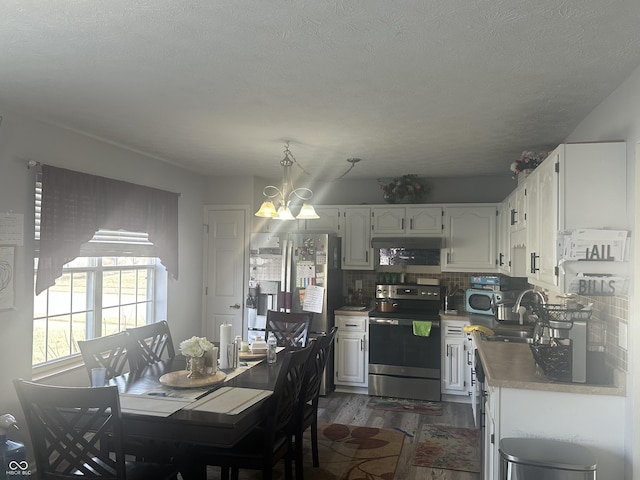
230	400
154	406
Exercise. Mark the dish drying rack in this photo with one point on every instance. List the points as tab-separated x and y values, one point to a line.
555	357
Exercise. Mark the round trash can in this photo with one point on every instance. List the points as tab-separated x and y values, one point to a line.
544	459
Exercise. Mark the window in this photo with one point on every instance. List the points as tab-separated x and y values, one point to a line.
116	283
95	296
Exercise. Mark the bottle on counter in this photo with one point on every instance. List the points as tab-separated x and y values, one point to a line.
272	343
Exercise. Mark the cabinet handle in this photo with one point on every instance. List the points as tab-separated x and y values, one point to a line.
501	261
402	228
534	262
513	216
362	344
366	257
350	325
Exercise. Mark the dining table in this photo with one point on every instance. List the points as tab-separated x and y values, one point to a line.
151	410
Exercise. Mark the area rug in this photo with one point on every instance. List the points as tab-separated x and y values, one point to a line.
347	452
448	448
404	405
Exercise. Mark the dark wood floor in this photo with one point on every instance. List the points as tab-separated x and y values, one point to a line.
351	409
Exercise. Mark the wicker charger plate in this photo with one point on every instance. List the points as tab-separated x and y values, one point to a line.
179	379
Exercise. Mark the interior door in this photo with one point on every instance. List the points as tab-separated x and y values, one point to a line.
226	256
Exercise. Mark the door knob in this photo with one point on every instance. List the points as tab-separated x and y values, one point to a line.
236	306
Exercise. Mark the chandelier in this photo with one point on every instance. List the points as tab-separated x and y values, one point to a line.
287	192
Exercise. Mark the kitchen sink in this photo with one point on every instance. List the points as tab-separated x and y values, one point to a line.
513	332
507	339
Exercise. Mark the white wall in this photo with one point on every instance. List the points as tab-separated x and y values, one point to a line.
22	139
618	118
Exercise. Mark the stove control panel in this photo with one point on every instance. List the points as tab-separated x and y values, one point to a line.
408	292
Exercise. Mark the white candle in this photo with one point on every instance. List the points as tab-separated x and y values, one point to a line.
226	332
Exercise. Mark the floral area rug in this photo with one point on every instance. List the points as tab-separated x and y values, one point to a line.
404	405
449	448
347	452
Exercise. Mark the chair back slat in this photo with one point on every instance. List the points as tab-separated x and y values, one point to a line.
316	365
69	428
154	342
287	390
290	329
118	353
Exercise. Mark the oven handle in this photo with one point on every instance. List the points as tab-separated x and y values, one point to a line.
398	322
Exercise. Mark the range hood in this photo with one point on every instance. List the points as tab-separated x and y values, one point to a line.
423	243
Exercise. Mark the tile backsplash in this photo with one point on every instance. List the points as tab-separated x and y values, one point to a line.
608	312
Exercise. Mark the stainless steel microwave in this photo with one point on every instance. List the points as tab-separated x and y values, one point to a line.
409	254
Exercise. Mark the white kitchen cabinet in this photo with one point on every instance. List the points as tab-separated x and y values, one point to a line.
470	234
351	351
356	239
577	186
473	387
503	260
407	220
454	359
329	221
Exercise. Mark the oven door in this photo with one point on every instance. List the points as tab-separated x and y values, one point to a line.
394	349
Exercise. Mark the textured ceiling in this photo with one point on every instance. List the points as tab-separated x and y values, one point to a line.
433	87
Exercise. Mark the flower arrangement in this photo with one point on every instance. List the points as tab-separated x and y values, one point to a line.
404	189
527	161
195	346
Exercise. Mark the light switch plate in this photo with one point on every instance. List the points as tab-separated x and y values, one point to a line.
622	335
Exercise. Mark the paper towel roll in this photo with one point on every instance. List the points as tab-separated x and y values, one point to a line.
226	332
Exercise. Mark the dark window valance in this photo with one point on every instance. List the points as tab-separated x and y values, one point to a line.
75	205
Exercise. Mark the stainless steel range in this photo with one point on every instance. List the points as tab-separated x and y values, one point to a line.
401	363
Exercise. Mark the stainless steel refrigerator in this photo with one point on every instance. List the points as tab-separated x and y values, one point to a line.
305	270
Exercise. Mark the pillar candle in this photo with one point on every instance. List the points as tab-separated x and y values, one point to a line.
226	332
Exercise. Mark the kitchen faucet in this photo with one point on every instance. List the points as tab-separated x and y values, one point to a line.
516	307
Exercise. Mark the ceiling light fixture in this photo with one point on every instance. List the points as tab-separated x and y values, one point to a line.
285	194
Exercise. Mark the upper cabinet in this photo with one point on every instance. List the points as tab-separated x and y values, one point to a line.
470	238
578	186
357	253
329	221
406	220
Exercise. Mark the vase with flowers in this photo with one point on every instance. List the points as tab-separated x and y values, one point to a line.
526	163
405	189
194	350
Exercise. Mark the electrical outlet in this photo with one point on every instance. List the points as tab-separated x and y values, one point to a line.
358	284
622	335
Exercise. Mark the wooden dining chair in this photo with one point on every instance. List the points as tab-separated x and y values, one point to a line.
154	342
290	329
118	353
307	415
69	427
272	439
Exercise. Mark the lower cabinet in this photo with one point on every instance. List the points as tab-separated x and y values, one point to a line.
455	370
351	351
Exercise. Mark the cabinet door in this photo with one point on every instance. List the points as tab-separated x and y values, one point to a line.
504	238
388	220
356	239
454	366
542	226
329	221
470	233
350	359
423	221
